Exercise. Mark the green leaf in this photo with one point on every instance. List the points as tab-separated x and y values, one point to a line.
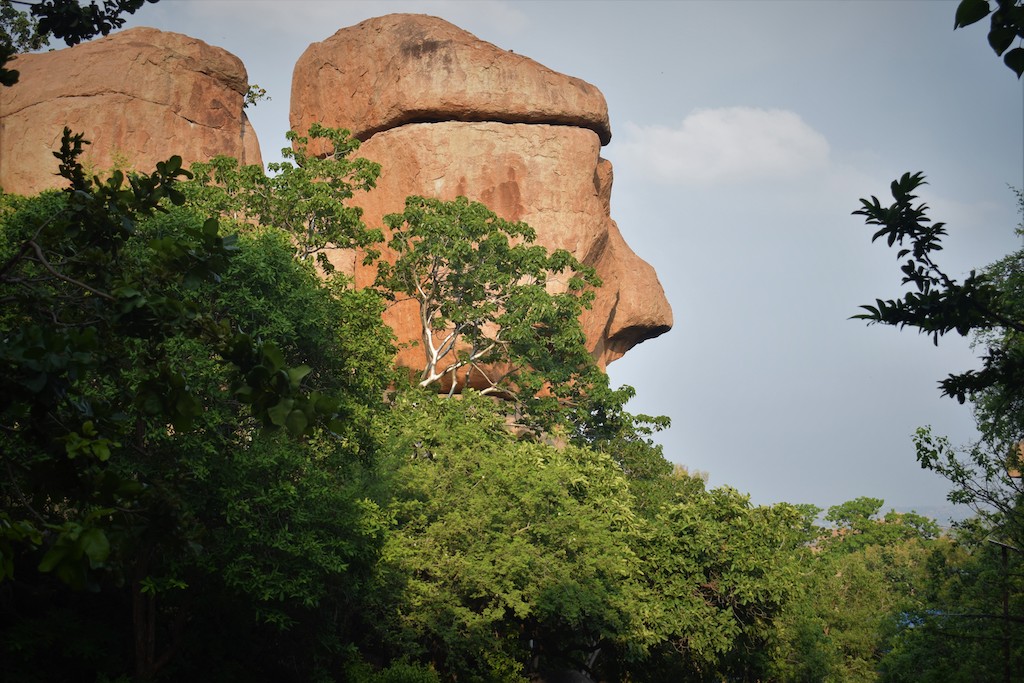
35	383
971	11
295	375
53	557
1015	60
210	227
1001	38
101	450
279	413
297	423
244	393
188	406
95	545
148	401
273	355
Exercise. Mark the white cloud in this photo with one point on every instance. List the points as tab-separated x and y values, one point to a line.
724	145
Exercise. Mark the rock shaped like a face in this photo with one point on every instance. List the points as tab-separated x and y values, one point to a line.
446	114
140	96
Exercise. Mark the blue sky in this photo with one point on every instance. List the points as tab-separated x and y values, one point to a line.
743	135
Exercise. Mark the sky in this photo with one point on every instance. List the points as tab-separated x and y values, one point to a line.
744	134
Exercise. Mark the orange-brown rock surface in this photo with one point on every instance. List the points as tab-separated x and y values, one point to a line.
447	114
140	96
408	68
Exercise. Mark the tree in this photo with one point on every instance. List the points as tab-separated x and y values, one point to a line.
68	20
307	197
986	305
985	475
148	443
599	421
940	304
19	32
861	583
65	285
719	571
507	556
965	624
857	526
496	311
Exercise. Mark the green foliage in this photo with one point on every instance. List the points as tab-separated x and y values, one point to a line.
254	95
721	571
1000	406
943	623
599	421
940	304
129	425
857	526
861	583
493	306
19	31
307	196
501	542
74	22
68	281
986	305
966	625
889	600
855	514
293	523
396	672
1007	26
986	479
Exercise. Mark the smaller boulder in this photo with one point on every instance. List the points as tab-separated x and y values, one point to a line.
140	96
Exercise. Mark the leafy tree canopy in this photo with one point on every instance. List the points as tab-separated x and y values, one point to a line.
940	304
306	195
502	543
148	443
495	310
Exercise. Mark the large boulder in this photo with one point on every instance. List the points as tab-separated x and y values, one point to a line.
408	68
140	96
446	114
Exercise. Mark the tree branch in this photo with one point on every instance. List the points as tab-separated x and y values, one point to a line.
65	278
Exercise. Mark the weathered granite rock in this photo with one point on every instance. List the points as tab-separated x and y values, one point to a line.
140	96
446	114
407	68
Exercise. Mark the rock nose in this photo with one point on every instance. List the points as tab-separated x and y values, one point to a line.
630	306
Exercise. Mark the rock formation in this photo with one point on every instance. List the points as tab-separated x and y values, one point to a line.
140	96
447	114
